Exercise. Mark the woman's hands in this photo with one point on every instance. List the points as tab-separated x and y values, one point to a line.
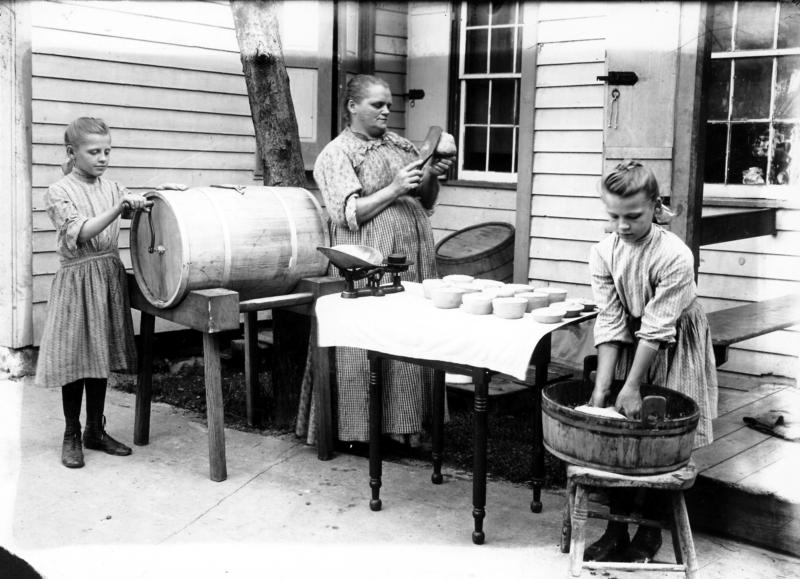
408	178
440	166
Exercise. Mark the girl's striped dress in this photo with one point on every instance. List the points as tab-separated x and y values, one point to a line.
88	332
646	290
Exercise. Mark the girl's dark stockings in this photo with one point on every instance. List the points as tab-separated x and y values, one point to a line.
71	398
95	401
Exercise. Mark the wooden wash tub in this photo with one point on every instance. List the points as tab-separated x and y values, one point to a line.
629	447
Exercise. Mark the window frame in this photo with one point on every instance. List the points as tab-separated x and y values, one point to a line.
766	191
458	88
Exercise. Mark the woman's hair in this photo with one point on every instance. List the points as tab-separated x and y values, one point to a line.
76	134
629	178
356	90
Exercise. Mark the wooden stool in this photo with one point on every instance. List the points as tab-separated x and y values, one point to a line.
573	534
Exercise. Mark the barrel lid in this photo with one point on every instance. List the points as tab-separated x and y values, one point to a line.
475	240
157	253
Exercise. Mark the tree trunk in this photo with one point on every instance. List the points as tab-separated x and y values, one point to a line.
271	105
277	137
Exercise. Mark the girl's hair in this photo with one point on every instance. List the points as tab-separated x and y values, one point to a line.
629	178
357	89
76	134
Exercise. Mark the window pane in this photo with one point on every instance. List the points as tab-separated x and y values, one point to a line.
719	90
516	140
789	26
475	148
477	45
518	59
503	101
748	156
501	146
755	25
785	170
787	88
502	50
751	83
716	142
476	104
722	23
503	12
478	14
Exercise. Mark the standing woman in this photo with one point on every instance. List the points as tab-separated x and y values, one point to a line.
377	194
650	328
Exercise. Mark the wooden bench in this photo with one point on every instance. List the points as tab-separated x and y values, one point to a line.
740	323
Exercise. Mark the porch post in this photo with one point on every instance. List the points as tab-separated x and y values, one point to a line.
690	116
16	256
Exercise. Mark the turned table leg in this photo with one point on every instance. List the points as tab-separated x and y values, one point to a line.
437	426
480	417
375	428
541	358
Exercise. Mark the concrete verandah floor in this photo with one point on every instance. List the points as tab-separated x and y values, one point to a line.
280	513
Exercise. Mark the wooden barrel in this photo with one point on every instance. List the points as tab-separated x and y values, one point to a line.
258	241
485	250
621	446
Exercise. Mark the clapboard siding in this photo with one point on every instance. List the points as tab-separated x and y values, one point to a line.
567	216
168	80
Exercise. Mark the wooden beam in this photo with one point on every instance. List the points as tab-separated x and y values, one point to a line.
689	122
522	225
740	323
209	311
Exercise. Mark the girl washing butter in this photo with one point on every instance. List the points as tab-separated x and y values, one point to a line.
650	326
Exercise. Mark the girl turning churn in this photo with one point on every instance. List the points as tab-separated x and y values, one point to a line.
88	331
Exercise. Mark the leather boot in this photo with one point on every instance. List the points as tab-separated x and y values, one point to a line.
96	438
71	450
610	546
644	546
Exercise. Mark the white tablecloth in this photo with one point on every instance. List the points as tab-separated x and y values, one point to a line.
407	324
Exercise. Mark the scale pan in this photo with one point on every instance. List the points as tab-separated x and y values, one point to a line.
349	256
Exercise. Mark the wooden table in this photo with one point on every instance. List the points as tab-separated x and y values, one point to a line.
481	374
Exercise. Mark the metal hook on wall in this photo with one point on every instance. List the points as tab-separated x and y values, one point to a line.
613	114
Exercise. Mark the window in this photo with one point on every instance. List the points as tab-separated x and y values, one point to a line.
753	101
489	74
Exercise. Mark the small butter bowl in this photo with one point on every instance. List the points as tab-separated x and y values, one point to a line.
548	315
536	300
588	304
509	308
571	309
458	278
477	304
428	285
505	291
554	294
446	297
487	283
